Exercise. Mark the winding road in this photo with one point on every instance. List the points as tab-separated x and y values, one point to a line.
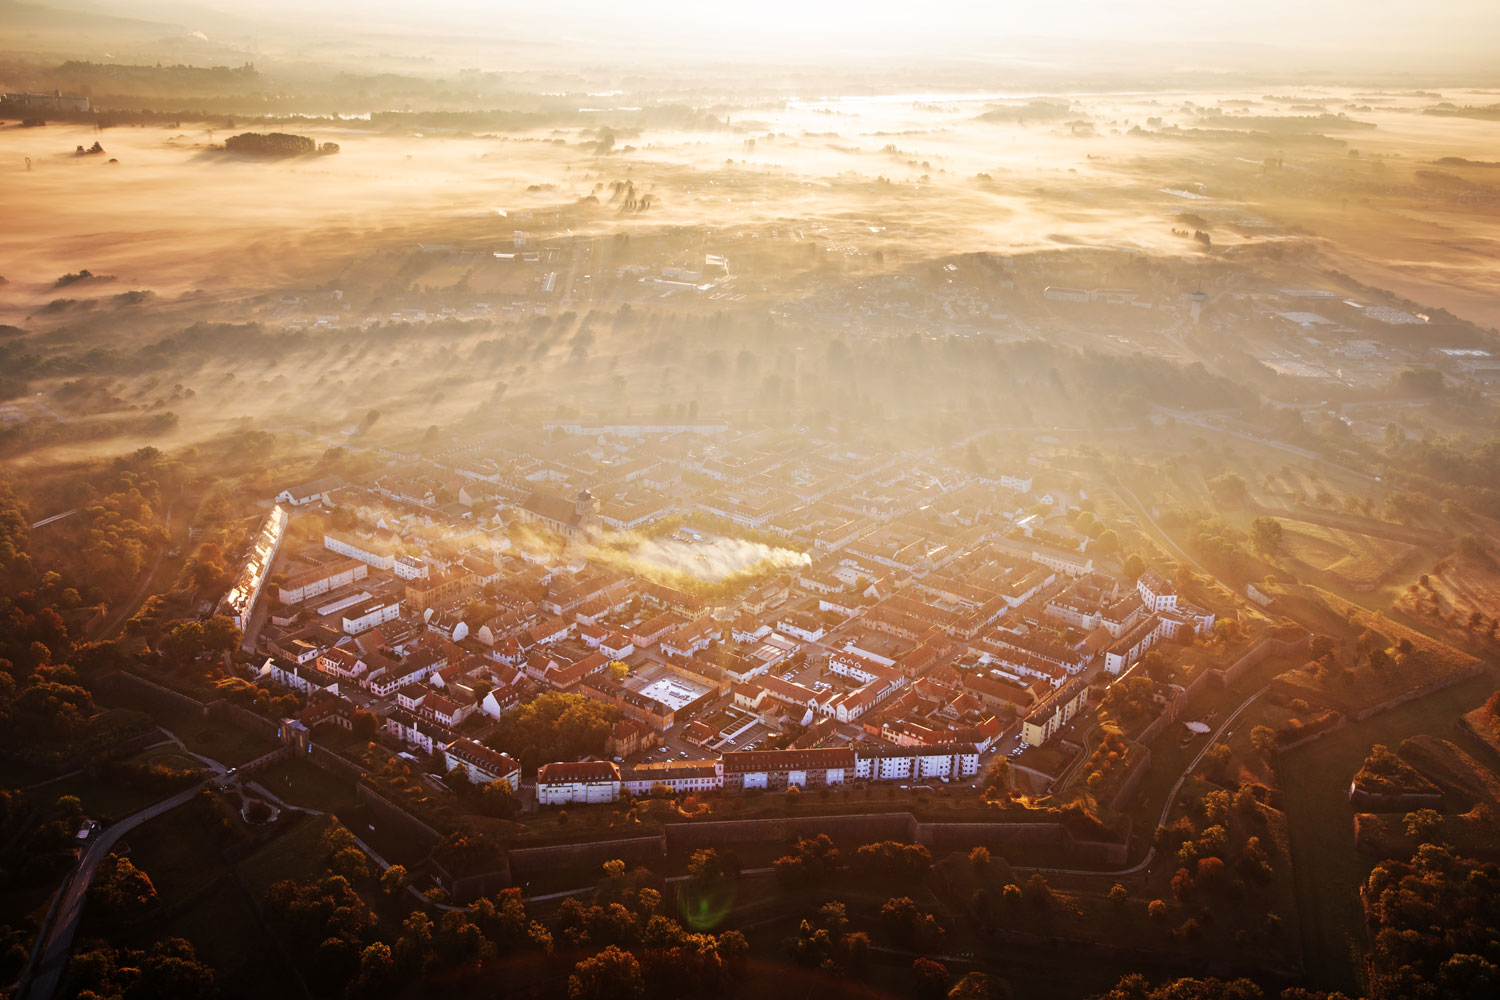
43	978
59	943
1166	808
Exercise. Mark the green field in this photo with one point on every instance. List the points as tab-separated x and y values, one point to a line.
214	904
102	798
303	784
169	755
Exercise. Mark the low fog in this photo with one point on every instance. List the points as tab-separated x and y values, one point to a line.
712	560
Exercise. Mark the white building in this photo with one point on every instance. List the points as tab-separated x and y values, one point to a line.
375	611
582	781
295	676
1047	719
305	493
320	580
408	568
915	763
1132	645
372	553
1156	593
676	777
483	765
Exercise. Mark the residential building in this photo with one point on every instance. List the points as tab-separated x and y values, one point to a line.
483	765
583	781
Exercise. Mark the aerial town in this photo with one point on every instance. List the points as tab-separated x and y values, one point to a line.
926	620
675	501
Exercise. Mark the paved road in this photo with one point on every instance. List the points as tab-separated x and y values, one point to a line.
218	768
1135	501
48	973
1166	808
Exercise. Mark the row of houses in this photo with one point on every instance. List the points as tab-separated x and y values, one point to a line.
568	782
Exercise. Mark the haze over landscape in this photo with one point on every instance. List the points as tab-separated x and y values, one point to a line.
953	500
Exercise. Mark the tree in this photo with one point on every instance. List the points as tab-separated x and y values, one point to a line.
351	864
1229	489
707	866
1134	566
364	725
857	952
496	799
1423	825
931	977
1263	738
413	949
998	779
906	925
393	881
891	859
1266	535
612	974
1468	977
974	986
555	726
377	972
121	890
814	861
459	940
1136	987
1157	666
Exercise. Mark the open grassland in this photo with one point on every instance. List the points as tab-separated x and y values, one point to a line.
1484	726
1360	686
1465	781
214	903
302	784
168	755
1458	587
1358	561
102	798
